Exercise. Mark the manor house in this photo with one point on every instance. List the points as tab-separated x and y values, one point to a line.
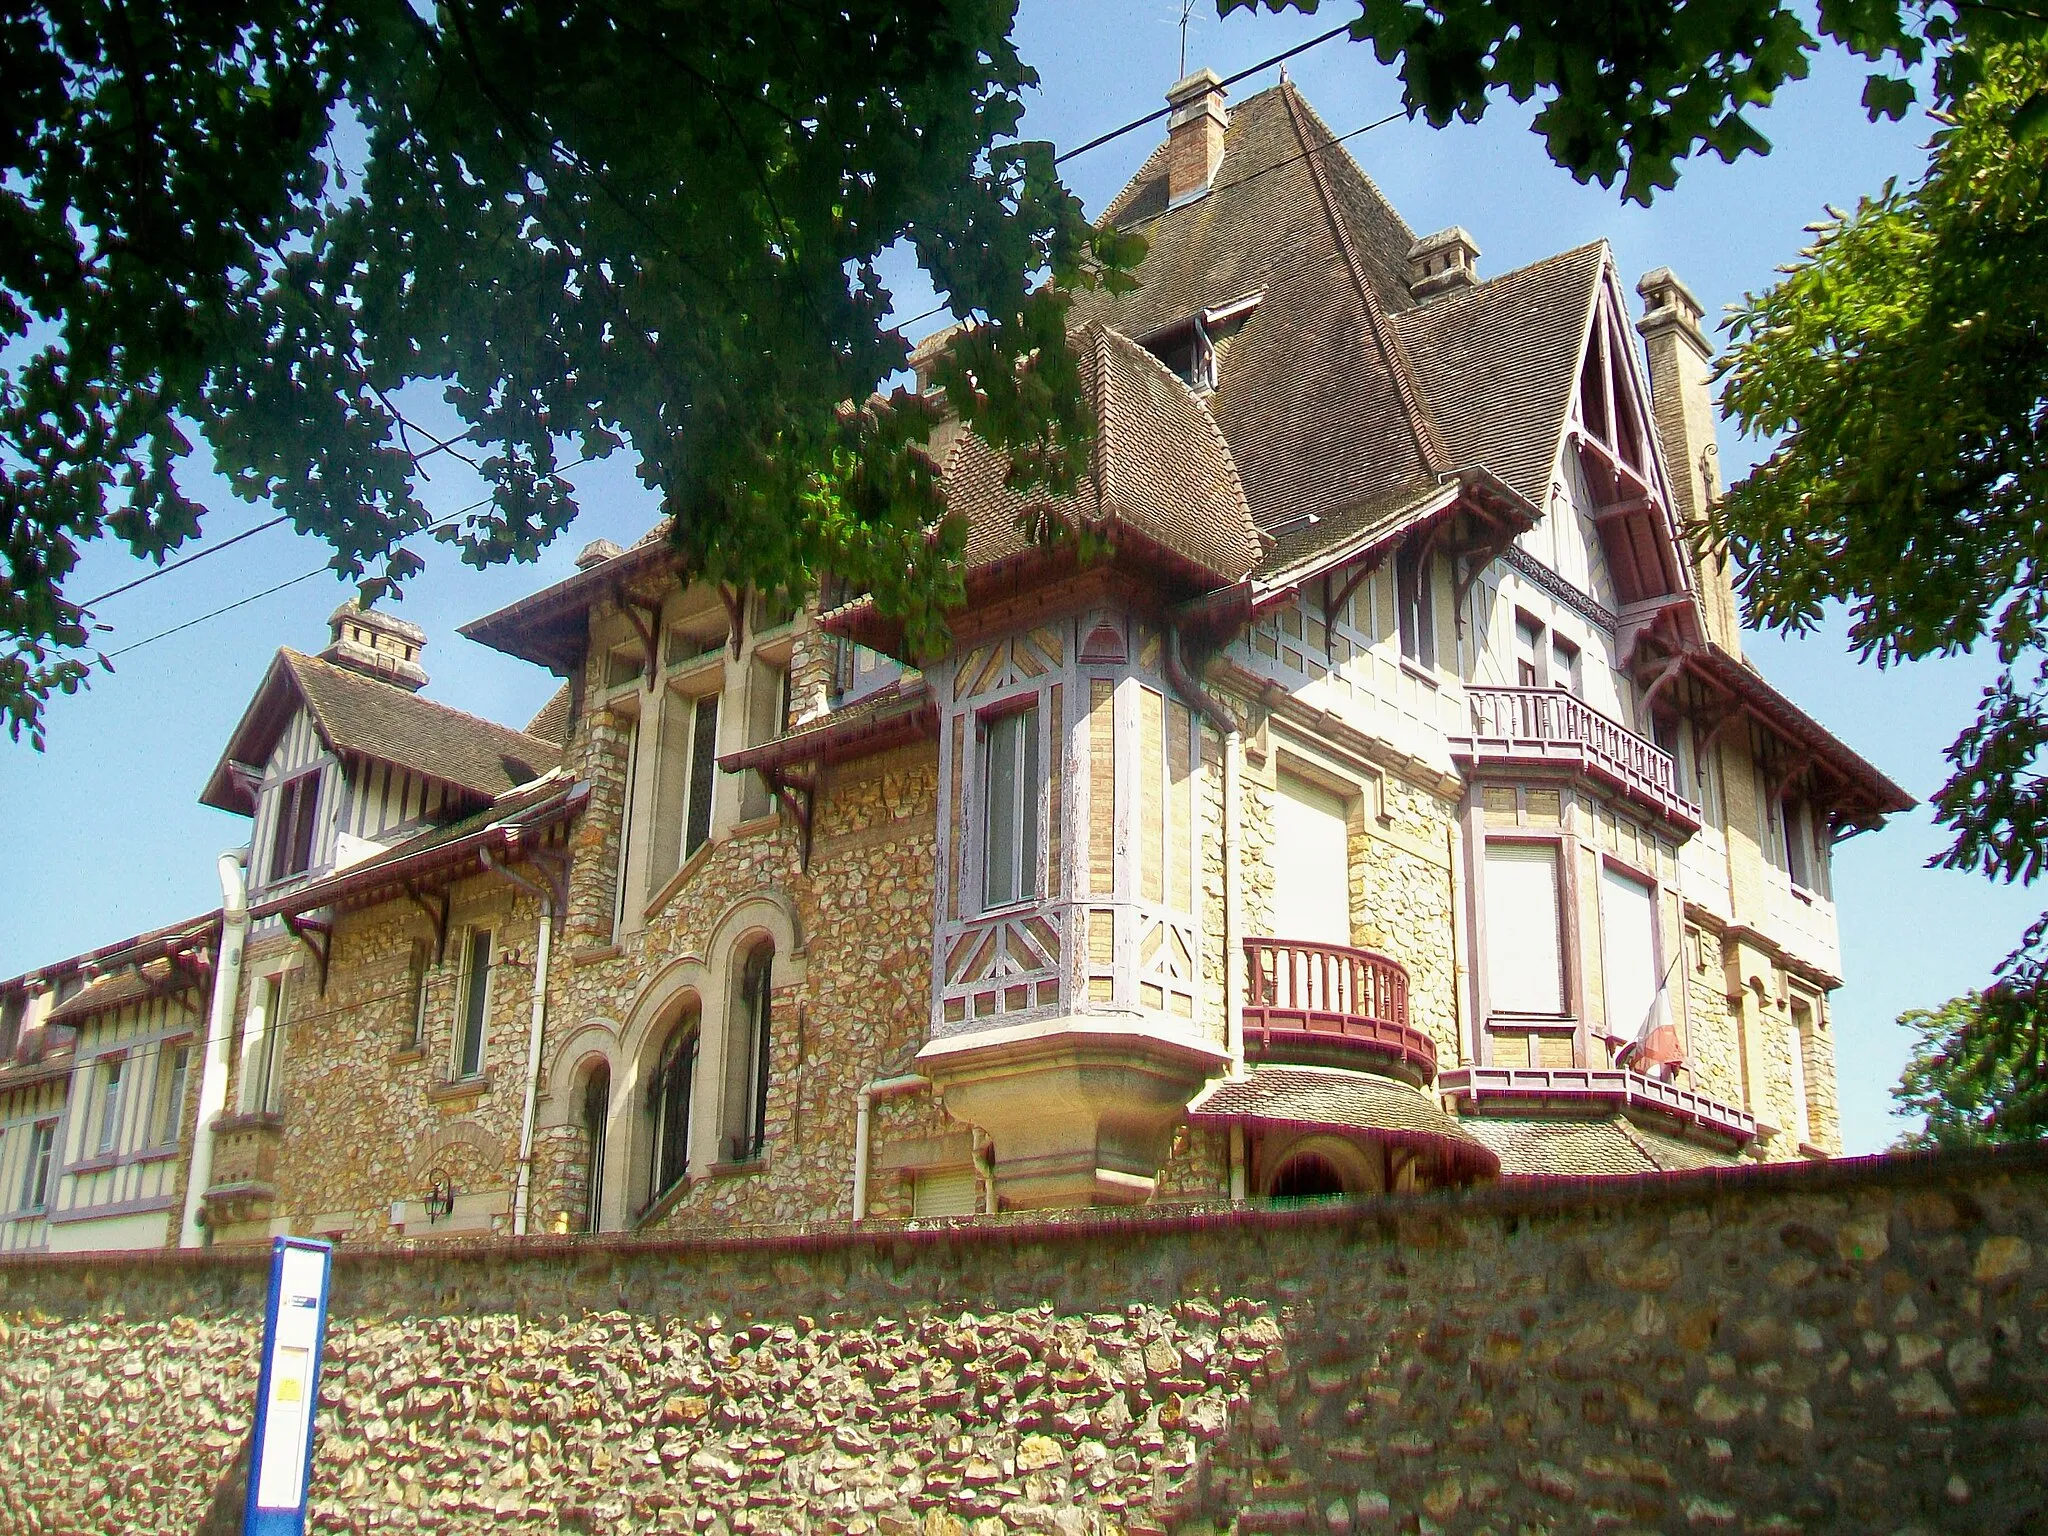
1377	800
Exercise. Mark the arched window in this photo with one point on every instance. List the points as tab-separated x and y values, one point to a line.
668	1106
597	1099
1307	1176
747	1056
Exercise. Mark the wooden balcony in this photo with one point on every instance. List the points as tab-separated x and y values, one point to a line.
1549	728
1331	1004
1588	1089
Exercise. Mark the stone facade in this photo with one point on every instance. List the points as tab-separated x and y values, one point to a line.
1847	1348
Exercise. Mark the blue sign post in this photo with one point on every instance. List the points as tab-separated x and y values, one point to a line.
294	1332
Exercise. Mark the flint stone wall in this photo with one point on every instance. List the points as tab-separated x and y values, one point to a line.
1851	1347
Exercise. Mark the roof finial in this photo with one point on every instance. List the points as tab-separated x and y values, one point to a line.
1283	71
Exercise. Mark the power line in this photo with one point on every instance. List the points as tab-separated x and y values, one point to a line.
1378	122
243	602
440	445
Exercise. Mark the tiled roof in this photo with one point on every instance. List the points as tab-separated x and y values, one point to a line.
118	989
360	715
1328	1098
1497	363
1614	1144
552	724
1159	467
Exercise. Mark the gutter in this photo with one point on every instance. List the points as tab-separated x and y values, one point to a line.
213	1059
881	1087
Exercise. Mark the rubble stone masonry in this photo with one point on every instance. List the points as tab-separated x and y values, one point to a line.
1856	1346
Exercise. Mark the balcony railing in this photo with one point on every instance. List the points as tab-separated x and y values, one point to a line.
1523	726
1586	1088
1329	1000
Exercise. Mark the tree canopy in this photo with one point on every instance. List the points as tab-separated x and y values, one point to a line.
1904	362
1963	1094
656	226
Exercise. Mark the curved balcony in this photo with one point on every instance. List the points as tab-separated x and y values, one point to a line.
1519	728
1331	1004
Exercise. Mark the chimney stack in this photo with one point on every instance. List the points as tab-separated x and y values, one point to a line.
1194	135
1681	394
1441	262
377	645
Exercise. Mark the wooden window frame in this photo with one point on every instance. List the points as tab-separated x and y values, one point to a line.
473	1002
297	800
1031	783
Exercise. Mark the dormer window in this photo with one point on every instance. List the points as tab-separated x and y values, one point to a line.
1187	349
291	838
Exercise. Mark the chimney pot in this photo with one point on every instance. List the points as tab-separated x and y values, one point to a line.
1668	304
1194	135
1441	262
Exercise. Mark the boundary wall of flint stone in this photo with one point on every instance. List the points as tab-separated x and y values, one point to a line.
1858	1346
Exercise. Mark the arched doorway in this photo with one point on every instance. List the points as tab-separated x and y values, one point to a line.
1307	1176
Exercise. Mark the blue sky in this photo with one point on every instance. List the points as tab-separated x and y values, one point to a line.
102	836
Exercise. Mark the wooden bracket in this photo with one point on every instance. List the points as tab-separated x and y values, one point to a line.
798	795
437	914
1666	674
553	864
646	621
1477	559
317	936
1333	602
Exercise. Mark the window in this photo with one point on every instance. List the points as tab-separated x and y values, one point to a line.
35	1173
476	1001
1311	864
170	1101
1009	797
746	1068
1524	936
12	1010
1795	1053
1415	600
262	1085
1631	972
112	1074
597	1104
1564	664
1528	652
767	718
291	838
685	784
944	1192
668	1107
1797	846
626	791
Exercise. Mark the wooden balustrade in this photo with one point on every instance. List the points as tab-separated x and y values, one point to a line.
1305	999
1549	725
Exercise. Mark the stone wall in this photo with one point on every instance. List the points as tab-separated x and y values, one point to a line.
1847	1347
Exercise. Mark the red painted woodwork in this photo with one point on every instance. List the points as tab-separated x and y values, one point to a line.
1588	1088
1526	727
1329	998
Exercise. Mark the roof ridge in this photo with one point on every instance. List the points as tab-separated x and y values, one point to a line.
1331	141
1427	440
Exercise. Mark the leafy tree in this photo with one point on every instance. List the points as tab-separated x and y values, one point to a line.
1631	90
594	224
1964	1094
1904	360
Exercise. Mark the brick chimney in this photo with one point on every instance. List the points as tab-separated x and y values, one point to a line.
1194	135
1441	262
377	645
1681	364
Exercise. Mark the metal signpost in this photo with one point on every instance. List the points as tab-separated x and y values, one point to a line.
294	1331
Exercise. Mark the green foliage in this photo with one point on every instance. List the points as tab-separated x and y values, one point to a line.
1903	362
1631	90
1965	1078
639	224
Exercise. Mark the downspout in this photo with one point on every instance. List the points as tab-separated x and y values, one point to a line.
1213	710
523	1196
213	1069
864	1103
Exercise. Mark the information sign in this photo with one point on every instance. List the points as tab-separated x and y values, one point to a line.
294	1331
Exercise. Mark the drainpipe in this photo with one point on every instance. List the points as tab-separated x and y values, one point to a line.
523	1197
220	1015
864	1102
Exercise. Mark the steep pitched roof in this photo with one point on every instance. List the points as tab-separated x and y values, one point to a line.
1498	362
1323	412
1159	468
357	714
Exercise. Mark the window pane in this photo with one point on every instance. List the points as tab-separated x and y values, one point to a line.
1311	865
1525	963
174	1097
476	996
1630	931
1010	837
703	766
110	1105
